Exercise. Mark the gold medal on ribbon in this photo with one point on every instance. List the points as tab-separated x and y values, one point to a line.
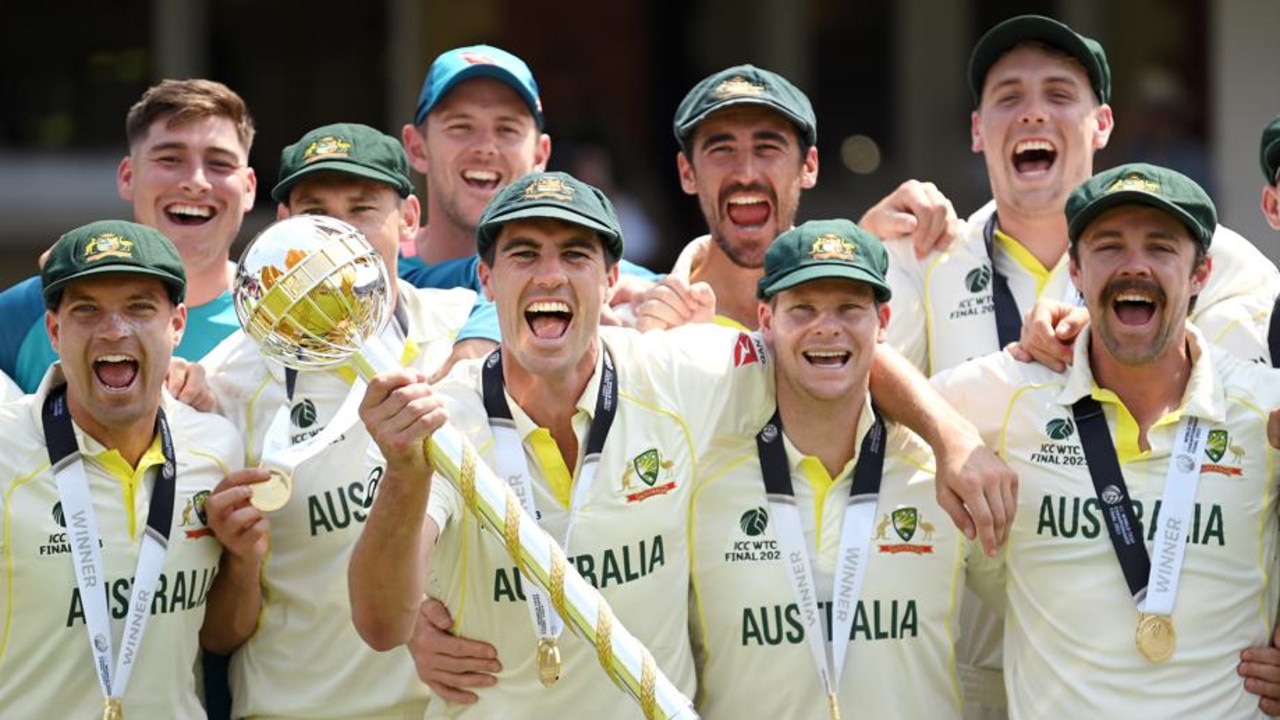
112	709
1156	637
272	494
548	661
833	706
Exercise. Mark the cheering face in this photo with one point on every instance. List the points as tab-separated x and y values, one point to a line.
371	207
549	280
747	167
822	335
114	335
1135	267
1038	127
477	140
193	183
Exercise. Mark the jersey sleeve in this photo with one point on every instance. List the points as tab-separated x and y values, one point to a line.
981	390
722	378
1233	310
907	313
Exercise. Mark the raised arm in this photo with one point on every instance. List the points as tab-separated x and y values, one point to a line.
389	564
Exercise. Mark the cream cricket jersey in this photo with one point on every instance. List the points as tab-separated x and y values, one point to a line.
1070	624
9	390
305	659
676	391
944	312
749	640
46	666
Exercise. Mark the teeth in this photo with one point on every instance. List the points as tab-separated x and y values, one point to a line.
1133	297
480	175
548	307
193	210
1029	145
113	358
747	199
826	353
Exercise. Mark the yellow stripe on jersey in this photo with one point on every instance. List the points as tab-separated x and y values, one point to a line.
1021	255
821	482
729	322
1127	447
116	466
547	453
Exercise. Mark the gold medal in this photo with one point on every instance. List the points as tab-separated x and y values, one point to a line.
548	661
1156	637
833	706
272	494
112	709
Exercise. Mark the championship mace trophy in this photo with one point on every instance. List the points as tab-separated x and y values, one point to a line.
314	294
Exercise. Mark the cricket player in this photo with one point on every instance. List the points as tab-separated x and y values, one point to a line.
824	572
304	659
1144	554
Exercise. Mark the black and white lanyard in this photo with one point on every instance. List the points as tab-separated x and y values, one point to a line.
855	541
82	527
511	464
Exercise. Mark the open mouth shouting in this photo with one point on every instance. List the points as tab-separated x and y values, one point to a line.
750	209
548	319
1034	157
827	358
115	372
1135	304
483	180
186	214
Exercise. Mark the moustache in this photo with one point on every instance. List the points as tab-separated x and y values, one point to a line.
1143	287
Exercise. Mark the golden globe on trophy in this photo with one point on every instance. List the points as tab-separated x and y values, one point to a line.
314	294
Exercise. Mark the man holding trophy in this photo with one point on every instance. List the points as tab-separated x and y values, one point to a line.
360	176
597	428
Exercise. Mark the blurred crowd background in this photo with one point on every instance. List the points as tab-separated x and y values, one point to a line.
1194	82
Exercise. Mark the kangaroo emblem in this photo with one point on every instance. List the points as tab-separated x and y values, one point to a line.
927	528
1237	453
881	527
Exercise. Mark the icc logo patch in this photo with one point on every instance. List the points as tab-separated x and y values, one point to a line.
978	278
754	522
303	415
58	515
1059	429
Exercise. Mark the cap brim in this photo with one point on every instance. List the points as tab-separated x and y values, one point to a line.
1001	40
497	72
555	213
1119	198
689	126
280	193
176	288
824	271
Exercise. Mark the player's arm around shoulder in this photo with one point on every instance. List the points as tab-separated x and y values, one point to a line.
389	564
